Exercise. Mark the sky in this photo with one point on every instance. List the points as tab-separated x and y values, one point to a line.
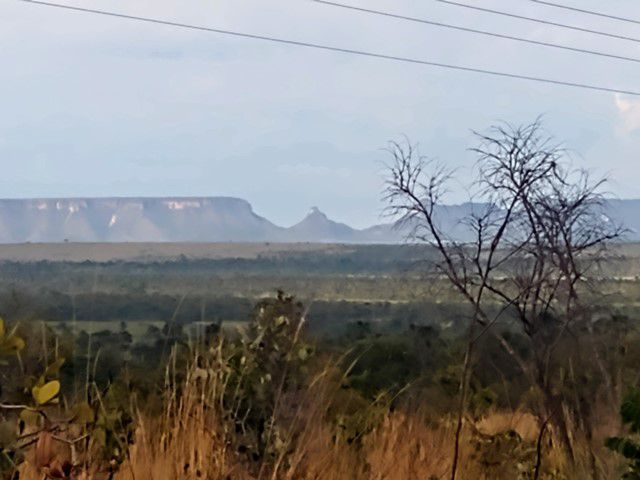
99	106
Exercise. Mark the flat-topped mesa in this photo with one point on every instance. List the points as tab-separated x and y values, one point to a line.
132	219
215	219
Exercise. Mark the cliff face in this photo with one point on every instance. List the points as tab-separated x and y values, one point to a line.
213	219
132	220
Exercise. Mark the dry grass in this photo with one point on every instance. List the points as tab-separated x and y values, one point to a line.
189	445
189	441
523	423
402	447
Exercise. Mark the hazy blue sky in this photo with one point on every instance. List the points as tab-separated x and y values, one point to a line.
96	106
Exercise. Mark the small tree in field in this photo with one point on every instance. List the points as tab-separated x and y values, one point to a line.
538	228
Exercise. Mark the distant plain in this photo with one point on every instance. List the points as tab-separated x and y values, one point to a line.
390	286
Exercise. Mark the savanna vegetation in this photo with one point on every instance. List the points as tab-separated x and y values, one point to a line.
513	356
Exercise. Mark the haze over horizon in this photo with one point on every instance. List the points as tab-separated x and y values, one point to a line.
107	107
315	209
224	219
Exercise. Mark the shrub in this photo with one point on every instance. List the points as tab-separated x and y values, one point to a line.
629	446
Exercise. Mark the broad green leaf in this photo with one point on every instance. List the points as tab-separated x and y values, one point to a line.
46	393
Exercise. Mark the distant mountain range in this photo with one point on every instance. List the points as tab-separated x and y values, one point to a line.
211	219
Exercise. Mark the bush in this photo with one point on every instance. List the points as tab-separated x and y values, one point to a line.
629	447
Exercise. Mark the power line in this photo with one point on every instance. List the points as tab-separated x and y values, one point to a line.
335	49
473	30
588	12
539	20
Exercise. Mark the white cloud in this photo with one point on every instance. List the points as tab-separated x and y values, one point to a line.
629	111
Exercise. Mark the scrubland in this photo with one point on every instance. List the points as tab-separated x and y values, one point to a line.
273	402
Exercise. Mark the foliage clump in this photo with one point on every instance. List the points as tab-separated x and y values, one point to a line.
266	368
629	447
42	428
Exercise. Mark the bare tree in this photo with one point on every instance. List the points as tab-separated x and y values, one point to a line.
538	229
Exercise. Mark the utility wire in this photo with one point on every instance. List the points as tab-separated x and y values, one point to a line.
335	49
588	12
480	32
539	20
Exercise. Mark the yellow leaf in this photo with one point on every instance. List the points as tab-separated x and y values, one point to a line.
53	369
30	417
11	345
2	328
46	392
